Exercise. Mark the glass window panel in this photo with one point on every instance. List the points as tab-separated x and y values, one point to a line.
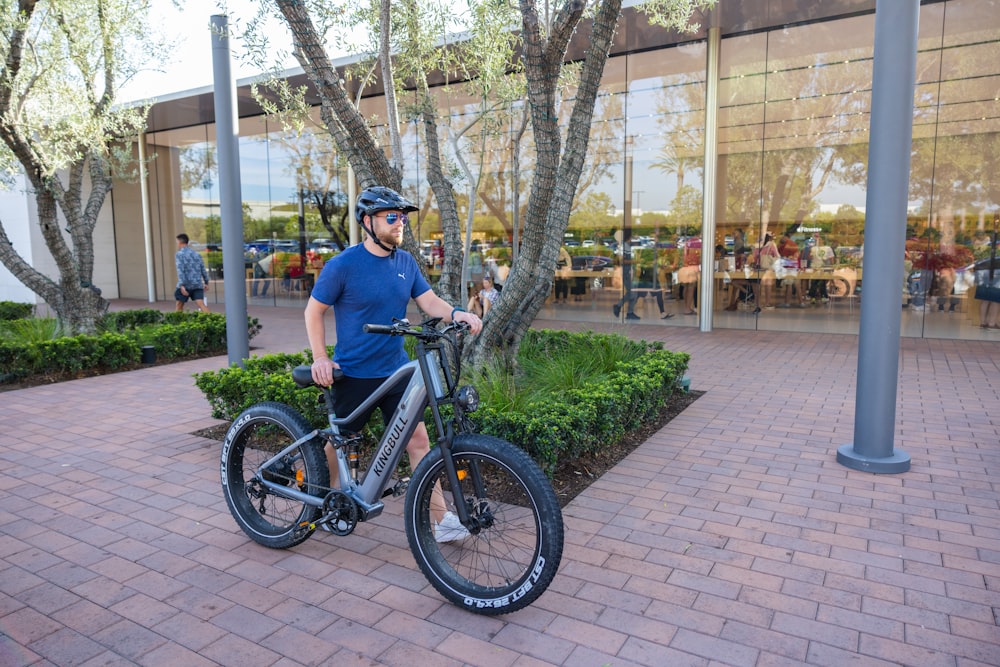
953	172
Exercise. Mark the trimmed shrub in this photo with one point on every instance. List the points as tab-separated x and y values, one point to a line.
583	420
551	426
175	335
269	378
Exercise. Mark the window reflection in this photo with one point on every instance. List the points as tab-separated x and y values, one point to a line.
792	146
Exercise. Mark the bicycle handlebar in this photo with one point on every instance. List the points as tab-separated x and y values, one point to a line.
426	330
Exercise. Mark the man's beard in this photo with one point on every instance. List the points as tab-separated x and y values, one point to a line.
389	238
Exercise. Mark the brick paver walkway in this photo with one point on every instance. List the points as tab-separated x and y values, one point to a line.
731	537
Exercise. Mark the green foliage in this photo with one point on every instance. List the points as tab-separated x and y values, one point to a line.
213	260
124	320
37	346
152	325
11	310
31	330
232	390
572	393
78	353
68	354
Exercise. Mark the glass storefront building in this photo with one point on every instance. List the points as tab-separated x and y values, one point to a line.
789	142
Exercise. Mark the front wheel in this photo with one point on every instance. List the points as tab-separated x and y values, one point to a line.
255	437
515	539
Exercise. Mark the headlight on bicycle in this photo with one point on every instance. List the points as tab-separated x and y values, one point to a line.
468	398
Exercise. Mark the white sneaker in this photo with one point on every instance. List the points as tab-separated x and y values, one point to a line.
450	529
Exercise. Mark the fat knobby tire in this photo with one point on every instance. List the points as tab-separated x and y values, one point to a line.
512	560
256	435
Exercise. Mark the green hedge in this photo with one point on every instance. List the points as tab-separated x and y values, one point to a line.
568	425
11	310
69	354
232	390
584	420
174	335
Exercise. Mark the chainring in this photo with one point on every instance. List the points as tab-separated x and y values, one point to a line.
340	513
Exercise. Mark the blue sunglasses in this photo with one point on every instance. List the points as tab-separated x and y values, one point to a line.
393	218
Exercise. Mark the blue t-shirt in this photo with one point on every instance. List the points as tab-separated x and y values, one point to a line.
366	289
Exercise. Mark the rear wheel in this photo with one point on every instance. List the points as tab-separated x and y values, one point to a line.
516	534
256	436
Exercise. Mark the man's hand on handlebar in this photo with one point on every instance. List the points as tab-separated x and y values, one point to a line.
322	371
471	319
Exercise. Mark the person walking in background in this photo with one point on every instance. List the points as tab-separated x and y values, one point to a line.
262	274
192	276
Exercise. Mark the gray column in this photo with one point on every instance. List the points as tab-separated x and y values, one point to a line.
230	205
890	141
706	295
147	224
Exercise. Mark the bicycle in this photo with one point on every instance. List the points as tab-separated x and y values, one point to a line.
275	479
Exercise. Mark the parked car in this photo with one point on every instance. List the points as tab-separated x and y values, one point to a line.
257	245
278	245
591	263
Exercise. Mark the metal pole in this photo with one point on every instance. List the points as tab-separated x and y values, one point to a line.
627	227
147	225
230	204
352	196
890	142
706	298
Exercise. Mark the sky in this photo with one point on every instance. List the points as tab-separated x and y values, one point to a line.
190	66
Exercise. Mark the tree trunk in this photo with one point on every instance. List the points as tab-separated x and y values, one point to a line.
76	302
557	172
342	119
449	286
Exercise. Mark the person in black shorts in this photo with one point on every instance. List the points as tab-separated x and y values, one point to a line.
374	282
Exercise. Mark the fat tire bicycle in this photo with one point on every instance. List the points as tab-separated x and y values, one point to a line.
275	479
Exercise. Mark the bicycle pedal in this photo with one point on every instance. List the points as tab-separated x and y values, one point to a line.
397	489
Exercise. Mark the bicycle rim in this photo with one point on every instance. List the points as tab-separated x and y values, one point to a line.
511	560
254	438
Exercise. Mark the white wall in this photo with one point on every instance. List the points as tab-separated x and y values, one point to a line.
17	223
20	220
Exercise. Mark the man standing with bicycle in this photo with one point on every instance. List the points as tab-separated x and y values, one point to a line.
372	283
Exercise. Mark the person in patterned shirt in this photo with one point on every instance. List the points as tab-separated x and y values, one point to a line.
192	277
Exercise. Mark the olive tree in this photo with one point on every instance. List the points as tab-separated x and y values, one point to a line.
560	153
559	149
64	62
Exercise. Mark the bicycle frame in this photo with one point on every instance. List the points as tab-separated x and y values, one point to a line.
368	492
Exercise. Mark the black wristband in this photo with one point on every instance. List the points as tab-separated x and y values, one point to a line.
456	309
